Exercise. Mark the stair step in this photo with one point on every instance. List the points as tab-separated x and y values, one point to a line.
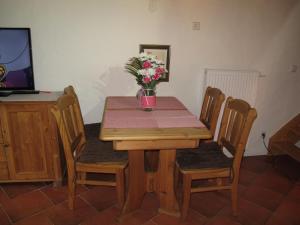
293	136
276	149
289	148
296	130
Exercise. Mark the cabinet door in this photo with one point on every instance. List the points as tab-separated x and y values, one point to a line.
29	146
3	160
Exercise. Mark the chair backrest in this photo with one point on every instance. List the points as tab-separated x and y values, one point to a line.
72	136
211	107
79	119
236	124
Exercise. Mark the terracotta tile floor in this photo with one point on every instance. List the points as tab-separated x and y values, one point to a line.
269	193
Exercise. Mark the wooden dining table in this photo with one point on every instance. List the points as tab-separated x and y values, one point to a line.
169	126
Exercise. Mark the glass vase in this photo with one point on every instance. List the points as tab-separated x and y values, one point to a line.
148	99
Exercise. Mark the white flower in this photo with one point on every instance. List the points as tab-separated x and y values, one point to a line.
142	72
142	55
151	71
158	62
153	58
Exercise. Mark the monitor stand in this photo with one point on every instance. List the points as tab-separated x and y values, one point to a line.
25	92
5	93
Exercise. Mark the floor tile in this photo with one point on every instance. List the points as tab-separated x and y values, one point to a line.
4	220
138	217
295	192
227	193
107	217
263	196
248	213
287	166
222	220
150	222
274	181
247	177
60	194
15	189
61	215
148	210
3	197
193	218
25	205
256	164
40	219
100	197
288	213
208	203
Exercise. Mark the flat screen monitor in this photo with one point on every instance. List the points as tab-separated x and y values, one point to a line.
16	69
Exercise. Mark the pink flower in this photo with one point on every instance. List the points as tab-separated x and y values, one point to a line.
147	64
156	76
159	70
147	80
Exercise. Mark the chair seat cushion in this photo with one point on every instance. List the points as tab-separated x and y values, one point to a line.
97	151
207	155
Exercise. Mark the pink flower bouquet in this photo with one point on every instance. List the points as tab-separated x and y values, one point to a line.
148	72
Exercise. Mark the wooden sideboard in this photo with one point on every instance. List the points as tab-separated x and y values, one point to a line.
29	144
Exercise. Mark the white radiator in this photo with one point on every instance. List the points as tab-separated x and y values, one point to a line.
240	84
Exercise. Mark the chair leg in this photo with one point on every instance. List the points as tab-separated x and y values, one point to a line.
178	185
72	191
186	187
176	181
234	197
120	187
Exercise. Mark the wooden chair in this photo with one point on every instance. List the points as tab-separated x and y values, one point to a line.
210	163
91	156
79	119
212	103
70	91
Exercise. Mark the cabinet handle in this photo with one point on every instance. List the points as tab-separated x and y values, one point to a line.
5	145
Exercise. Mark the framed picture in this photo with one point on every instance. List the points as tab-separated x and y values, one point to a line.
162	52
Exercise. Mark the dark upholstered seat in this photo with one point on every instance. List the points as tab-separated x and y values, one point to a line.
101	152
208	155
97	151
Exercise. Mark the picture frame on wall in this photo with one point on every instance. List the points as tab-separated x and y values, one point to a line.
162	52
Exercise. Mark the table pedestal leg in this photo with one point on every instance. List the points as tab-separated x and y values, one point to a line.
136	186
165	183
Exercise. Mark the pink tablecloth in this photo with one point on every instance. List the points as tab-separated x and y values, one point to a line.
123	112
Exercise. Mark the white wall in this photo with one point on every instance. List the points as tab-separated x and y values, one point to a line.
87	43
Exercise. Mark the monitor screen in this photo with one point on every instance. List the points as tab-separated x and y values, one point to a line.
16	70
